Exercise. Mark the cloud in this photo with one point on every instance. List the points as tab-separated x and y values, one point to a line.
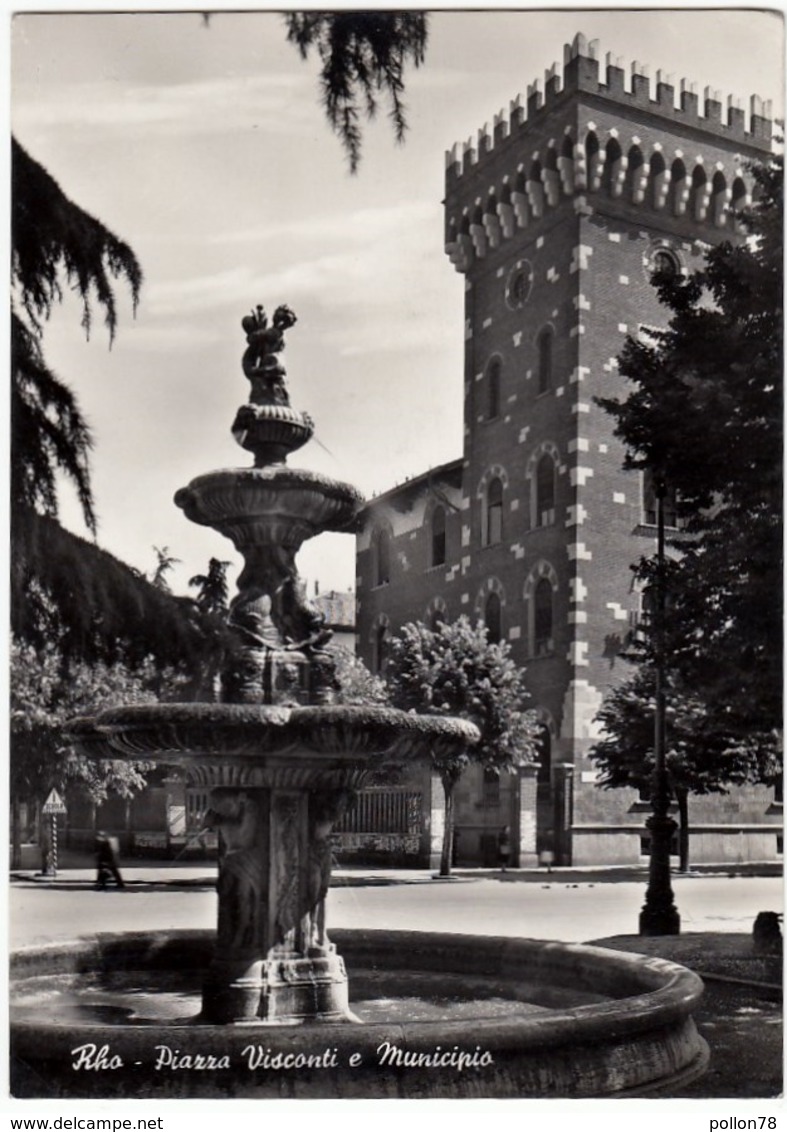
359	226
281	103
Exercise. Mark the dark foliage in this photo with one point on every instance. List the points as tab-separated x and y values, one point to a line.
48	432
363	55
52	238
705	416
67	591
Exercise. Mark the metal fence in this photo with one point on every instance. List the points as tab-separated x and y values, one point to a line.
378	810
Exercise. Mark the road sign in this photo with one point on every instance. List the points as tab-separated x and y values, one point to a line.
54	804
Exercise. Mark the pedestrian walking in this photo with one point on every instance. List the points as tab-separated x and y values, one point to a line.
504	848
107	852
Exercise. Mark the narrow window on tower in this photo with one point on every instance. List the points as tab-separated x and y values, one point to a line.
545	491
494	513
545	339
438	537
493	389
493	619
542	618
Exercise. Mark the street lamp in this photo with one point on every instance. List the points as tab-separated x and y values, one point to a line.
659	916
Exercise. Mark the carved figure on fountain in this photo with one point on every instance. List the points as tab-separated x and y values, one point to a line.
272	608
325	809
301	623
288	677
280	634
243	677
324	683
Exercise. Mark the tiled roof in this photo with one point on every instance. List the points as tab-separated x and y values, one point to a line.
449	474
338	608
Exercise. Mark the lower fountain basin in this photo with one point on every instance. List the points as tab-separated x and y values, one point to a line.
439	1015
265	738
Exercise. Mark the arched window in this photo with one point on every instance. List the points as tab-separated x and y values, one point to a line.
493	619
664	264
382	558
493	389
494	512
542	618
436	618
438	537
545	491
545	339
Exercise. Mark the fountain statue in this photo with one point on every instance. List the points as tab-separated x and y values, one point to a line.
282	759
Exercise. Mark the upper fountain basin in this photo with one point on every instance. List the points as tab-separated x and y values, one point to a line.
269	743
273	504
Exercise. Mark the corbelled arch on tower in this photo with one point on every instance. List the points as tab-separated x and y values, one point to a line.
556	160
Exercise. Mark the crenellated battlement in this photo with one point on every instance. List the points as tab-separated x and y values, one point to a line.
581	71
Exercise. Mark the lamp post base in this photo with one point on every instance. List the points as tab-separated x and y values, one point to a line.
663	920
659	916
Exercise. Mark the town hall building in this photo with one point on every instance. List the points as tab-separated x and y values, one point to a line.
558	216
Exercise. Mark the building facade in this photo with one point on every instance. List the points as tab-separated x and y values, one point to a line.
558	217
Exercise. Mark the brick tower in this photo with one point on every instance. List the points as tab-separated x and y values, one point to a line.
558	217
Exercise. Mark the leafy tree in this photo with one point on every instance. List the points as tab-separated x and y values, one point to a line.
455	670
357	685
213	595
363	54
44	694
705	417
703	754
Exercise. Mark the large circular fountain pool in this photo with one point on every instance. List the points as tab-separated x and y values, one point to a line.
436	1015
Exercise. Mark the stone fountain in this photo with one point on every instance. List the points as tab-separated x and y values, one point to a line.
435	1015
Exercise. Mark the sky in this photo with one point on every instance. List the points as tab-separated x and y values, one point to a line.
205	148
